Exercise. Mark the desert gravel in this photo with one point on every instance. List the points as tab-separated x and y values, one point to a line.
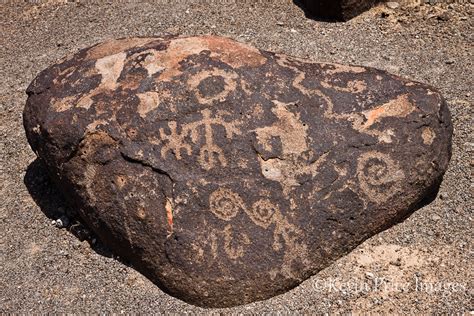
423	265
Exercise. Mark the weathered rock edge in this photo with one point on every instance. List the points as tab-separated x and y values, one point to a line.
226	174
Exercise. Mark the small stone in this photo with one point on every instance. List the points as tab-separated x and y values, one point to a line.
61	222
369	275
392	5
435	217
449	61
76	244
280	23
397	262
444	17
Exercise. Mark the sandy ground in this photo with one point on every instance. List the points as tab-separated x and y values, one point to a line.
423	265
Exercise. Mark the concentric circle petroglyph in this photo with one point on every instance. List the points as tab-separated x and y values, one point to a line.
225	204
262	212
228	77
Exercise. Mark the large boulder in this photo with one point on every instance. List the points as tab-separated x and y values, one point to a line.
227	174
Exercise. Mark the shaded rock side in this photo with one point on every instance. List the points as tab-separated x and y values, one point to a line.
226	174
341	10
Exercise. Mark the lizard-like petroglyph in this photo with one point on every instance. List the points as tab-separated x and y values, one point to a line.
177	142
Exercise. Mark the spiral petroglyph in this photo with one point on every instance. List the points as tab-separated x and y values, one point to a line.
225	203
379	176
262	212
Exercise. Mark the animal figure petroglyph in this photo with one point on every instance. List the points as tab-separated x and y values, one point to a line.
293	161
361	121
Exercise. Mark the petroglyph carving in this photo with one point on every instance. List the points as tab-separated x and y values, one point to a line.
399	107
362	122
428	136
210	153
167	62
289	128
353	86
110	68
261	212
116	46
229	84
379	176
234	243
295	158
225	204
148	102
176	142
338	68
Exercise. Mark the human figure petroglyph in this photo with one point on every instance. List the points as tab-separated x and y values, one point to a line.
176	141
209	154
234	242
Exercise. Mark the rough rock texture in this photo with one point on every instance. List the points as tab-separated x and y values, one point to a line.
227	174
338	9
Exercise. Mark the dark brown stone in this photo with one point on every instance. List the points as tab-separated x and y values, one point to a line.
342	10
226	174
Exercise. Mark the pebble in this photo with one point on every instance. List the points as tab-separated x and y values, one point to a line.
392	4
61	222
443	17
397	262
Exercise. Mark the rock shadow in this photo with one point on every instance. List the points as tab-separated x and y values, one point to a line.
310	15
332	11
54	205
